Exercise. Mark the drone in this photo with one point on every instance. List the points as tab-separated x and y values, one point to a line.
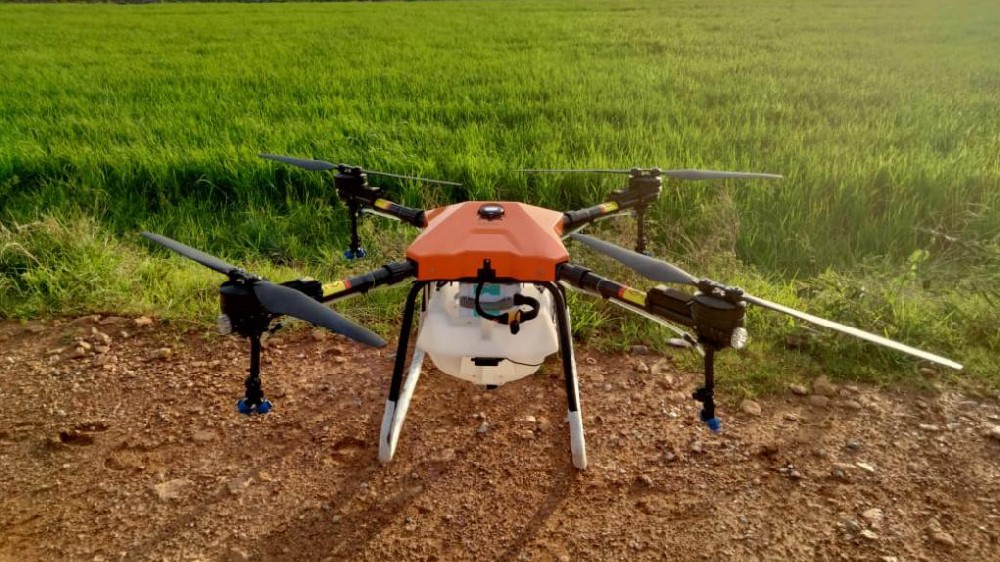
490	280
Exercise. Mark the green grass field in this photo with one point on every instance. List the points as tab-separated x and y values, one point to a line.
882	116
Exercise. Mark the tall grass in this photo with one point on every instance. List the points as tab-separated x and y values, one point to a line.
883	118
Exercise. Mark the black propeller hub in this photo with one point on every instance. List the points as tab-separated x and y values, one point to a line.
352	184
642	188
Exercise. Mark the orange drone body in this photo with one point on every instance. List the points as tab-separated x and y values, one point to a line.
521	241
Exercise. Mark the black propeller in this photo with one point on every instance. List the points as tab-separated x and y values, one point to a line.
277	299
664	272
323	166
686	174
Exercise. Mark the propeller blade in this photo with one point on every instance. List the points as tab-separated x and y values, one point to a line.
414	178
650	268
686	174
280	299
852	331
717	175
311	165
204	259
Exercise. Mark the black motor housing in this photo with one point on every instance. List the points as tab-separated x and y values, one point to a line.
715	319
239	303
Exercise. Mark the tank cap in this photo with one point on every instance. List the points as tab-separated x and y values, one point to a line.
491	211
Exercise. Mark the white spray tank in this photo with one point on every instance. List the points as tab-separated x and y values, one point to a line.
466	346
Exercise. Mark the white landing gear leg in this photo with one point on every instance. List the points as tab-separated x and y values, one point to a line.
577	444
399	398
574	416
395	411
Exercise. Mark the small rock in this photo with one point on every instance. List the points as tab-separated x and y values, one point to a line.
669	456
645	480
666	381
641	367
841	473
318	335
791	417
640	350
101	349
112	321
929	427
869	534
660	366
239	484
55	351
100	336
874	516
84	345
943	537
446	455
171	489
798	389
143	321
823	387
750	407
544	424
163	353
697	447
852	405
528	419
819	401
590	361
78	352
865	467
994	432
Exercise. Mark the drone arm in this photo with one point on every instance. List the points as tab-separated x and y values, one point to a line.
386	275
638	198
576	219
670	305
409	215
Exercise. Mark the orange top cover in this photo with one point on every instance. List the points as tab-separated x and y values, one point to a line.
523	243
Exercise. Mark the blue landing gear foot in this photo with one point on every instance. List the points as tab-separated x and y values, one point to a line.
355	255
714	423
246	408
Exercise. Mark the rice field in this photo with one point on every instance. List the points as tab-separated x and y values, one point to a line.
884	118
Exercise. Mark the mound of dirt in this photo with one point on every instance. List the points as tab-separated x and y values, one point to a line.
119	440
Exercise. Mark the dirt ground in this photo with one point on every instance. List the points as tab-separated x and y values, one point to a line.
133	450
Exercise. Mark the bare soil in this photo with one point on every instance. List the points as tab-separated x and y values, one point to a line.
133	450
